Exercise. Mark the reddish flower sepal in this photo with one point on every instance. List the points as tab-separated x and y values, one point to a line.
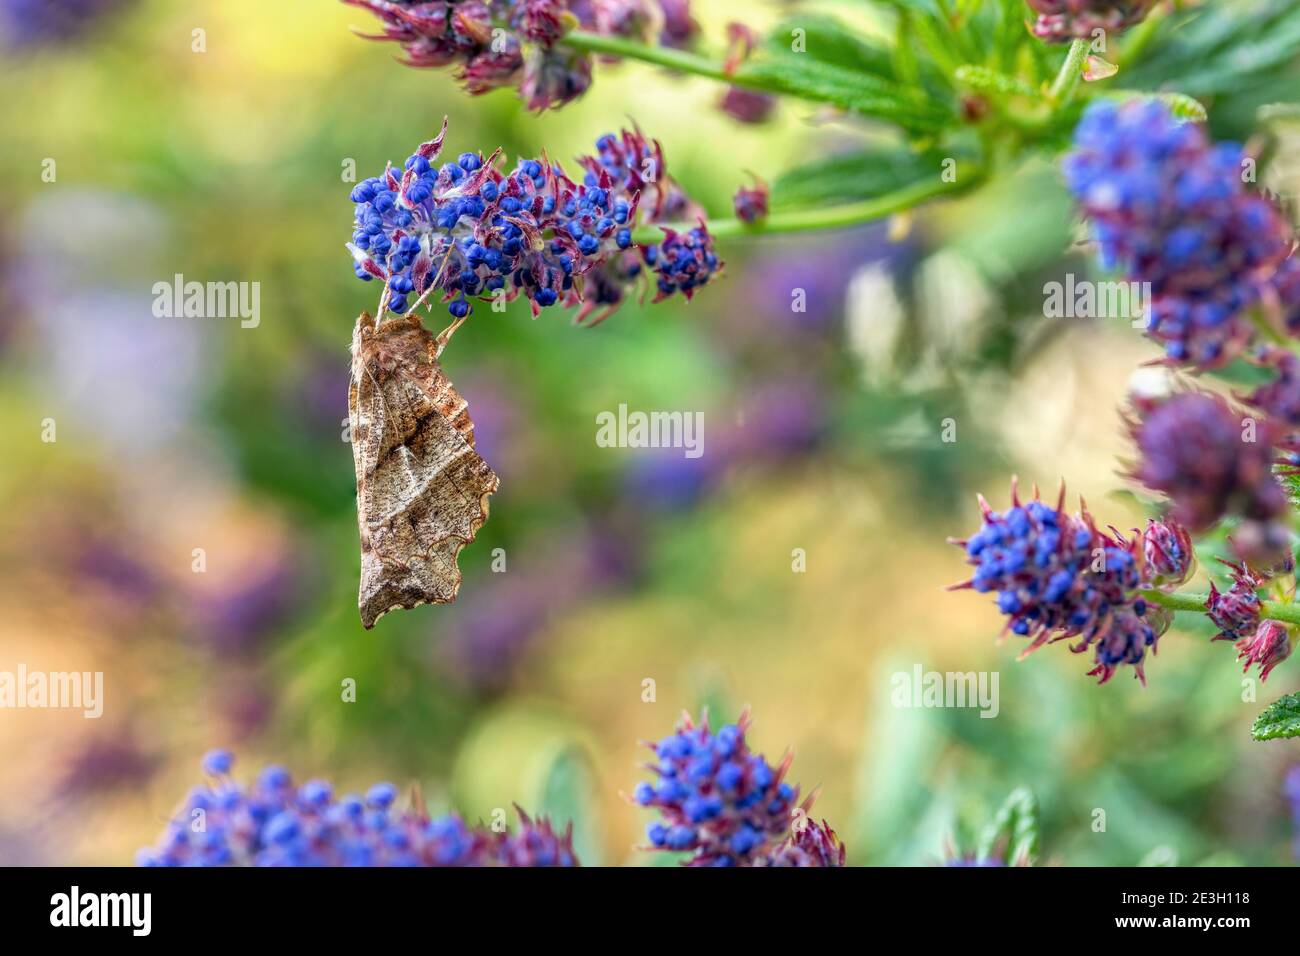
1269	646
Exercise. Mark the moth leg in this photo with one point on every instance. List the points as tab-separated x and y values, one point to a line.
445	335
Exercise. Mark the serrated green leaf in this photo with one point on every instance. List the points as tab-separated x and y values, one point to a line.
831	41
1278	720
854	176
799	75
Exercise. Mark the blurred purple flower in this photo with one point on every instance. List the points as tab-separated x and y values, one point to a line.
1209	458
680	28
751	202
794	296
40	22
747	106
319	396
105	762
1171	209
497	626
274	823
1291	790
107	560
238	612
778	421
664	479
132	380
503	433
1061	20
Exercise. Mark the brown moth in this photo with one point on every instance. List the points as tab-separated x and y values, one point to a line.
422	489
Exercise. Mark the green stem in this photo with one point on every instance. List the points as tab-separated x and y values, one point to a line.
1266	329
1067	80
1139	38
1272	610
680	60
827	217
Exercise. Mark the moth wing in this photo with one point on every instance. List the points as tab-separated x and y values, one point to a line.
424	500
366	419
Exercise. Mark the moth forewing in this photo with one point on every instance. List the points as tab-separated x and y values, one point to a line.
422	490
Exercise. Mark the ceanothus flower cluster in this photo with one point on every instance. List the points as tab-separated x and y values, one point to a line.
1171	209
1213	461
1062	20
498	43
1056	576
726	805
465	230
275	823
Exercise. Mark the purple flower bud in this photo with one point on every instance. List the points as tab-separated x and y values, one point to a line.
486	40
1268	646
812	844
679	29
1235	612
1209	459
1062	20
750	202
217	763
685	262
554	77
747	106
540	21
1167	548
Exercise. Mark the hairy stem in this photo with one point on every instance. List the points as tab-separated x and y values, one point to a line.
827	217
1273	610
1067	80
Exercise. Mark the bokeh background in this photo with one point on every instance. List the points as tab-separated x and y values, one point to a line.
822	432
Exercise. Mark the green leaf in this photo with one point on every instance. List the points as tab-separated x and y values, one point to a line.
567	797
929	8
1016	823
1222	49
831	41
800	75
854	176
1279	719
